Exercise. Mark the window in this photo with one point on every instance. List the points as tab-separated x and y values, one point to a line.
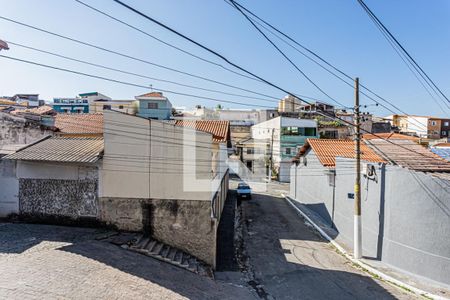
444	132
152	105
446	123
106	106
250	151
292	131
433	123
85	101
120	106
310	131
288	151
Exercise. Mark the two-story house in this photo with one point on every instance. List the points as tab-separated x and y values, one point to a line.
280	138
153	106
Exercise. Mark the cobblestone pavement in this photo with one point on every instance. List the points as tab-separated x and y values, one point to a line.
55	262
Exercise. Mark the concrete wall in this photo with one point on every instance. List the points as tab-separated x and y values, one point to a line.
16	130
406	214
160	178
49	190
149	159
284	174
185	224
9	188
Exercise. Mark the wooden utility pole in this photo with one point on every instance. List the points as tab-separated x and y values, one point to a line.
357	230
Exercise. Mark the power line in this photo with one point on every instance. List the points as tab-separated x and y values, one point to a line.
410	66
129	83
419	69
189	95
285	56
163	42
134	58
324	113
276	32
133	73
145	76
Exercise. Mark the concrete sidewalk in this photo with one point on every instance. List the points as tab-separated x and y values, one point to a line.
408	281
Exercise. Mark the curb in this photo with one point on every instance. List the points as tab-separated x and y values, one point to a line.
361	264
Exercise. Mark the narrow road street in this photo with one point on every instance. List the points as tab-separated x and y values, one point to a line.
289	261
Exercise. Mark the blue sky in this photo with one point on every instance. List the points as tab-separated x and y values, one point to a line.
337	30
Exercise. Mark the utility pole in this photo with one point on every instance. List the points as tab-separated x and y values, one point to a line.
271	157
357	232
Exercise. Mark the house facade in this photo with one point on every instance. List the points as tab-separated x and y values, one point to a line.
71	105
438	128
153	106
125	106
422	126
285	134
403	195
282	136
30	100
58	179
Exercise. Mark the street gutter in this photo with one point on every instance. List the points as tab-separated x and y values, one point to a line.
367	268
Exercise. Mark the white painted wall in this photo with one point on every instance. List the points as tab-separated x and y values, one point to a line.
285	171
54	170
418	125
239	115
9	188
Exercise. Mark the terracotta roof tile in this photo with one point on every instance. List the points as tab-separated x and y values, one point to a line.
327	150
218	128
7	102
80	123
389	136
442	145
41	110
152	94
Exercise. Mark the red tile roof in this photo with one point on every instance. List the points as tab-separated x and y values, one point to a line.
442	145
218	128
80	123
152	94
389	136
41	110
327	150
